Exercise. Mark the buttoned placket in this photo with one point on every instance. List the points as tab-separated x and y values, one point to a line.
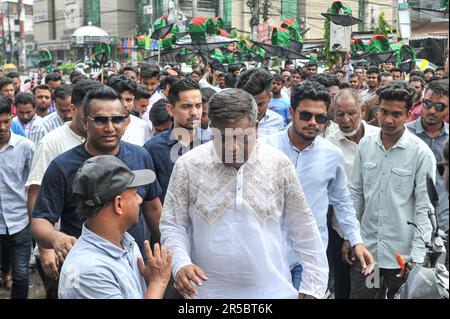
239	193
384	167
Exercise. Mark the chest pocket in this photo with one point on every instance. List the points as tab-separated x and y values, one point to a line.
369	173
402	180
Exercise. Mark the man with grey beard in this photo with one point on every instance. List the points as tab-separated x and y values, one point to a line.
352	128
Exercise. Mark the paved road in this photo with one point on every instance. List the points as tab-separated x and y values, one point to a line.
36	291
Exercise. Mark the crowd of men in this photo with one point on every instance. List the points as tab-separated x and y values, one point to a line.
283	183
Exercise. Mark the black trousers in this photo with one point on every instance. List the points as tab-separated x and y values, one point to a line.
50	284
385	283
341	270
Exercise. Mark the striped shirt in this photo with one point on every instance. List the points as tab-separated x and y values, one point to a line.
52	107
48	124
28	127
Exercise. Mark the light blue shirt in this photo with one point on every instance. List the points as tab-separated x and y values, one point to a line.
437	147
321	171
281	106
388	190
15	159
97	269
271	122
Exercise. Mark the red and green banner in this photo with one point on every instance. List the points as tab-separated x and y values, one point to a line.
281	37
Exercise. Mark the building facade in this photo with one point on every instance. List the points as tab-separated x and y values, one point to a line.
9	30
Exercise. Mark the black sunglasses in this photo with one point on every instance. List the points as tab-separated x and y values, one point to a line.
439	107
102	121
307	116
441	167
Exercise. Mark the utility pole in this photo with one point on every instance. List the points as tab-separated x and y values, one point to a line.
22	47
10	37
194	8
254	21
2	31
220	10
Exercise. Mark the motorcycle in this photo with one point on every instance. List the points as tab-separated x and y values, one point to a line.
429	280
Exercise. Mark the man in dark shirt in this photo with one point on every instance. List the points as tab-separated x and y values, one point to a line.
104	120
185	106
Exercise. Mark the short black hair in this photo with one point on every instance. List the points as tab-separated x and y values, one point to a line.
52	77
344	85
122	84
373	70
398	91
74	74
233	68
439	68
230	81
311	63
42	87
326	79
168	80
298	71
129	68
432	78
417	79
149	73
196	72
439	87
385	75
354	75
25	98
13	75
64	92
255	81
416	73
5	81
277	77
309	90
142	92
428	70
103	92
5	105
396	70
81	88
186	84
207	93
158	113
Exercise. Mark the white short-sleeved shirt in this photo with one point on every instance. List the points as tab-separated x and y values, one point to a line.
137	132
51	145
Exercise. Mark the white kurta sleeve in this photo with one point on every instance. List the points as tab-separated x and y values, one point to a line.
175	221
304	236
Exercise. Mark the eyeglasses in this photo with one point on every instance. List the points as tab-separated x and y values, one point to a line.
307	116
441	167
102	121
439	107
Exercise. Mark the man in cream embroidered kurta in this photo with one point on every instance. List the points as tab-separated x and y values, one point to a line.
230	223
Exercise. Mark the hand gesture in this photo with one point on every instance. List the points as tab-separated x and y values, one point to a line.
159	265
185	277
49	262
62	244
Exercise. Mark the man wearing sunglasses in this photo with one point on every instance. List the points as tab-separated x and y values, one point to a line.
388	190
58	141
104	120
433	130
320	167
